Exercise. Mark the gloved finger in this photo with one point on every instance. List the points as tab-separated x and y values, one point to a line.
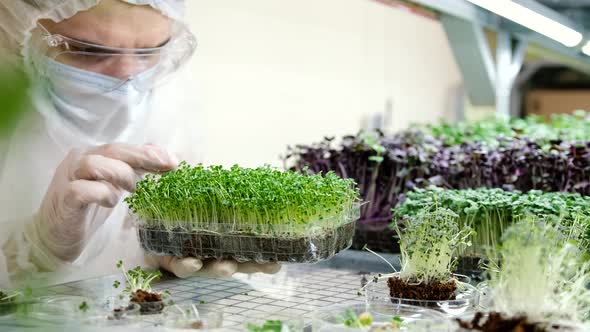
181	267
251	267
221	268
80	193
99	168
148	158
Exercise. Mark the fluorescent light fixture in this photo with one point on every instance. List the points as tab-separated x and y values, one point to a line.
586	48
532	20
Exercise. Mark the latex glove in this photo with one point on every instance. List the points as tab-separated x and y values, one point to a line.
186	267
86	180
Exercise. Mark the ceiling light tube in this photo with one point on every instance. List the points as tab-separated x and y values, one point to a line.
532	20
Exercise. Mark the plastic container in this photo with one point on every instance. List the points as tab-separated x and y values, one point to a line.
283	321
118	309
114	312
467	297
193	317
413	318
152	308
63	310
485	295
320	241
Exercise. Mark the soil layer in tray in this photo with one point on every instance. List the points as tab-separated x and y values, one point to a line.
496	322
243	247
434	291
150	303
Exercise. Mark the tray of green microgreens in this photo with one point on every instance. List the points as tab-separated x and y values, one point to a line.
247	214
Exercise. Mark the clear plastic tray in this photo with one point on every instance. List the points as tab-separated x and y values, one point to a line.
413	318
62	310
193	317
287	322
225	241
467	298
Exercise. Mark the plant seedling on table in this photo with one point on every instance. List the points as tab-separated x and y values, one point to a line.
427	243
541	283
260	214
365	322
268	326
140	290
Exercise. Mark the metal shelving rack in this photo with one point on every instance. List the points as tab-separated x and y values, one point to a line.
489	80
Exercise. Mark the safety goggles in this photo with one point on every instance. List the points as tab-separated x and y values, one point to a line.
144	68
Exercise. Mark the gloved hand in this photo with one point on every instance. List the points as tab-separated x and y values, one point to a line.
85	180
186	267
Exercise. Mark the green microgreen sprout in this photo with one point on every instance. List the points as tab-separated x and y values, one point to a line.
83	307
372	140
8	297
256	201
543	274
268	326
365	320
137	279
397	321
351	319
428	243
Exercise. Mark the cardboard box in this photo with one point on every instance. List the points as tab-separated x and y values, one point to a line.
547	102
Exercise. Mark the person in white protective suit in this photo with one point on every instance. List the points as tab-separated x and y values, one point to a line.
107	107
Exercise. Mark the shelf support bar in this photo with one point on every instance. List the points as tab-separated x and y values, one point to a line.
510	55
474	59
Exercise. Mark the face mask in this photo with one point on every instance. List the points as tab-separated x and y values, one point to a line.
80	100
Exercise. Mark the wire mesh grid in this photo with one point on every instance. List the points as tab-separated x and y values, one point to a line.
296	291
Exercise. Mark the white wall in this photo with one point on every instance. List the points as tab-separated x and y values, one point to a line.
277	72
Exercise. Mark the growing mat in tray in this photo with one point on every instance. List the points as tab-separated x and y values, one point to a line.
260	214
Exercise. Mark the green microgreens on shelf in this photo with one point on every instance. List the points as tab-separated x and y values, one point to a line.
259	200
572	127
137	279
540	272
490	211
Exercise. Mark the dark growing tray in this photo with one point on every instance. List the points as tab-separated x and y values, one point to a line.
317	246
385	240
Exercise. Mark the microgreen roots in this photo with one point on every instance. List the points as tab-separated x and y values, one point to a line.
260	200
